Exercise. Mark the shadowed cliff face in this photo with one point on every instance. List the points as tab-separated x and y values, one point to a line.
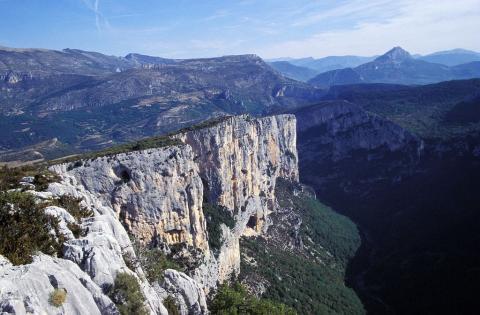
412	197
343	147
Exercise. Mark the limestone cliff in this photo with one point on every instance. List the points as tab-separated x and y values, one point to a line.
156	195
239	160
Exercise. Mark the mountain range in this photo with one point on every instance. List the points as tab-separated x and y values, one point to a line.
305	67
399	67
326	63
87	100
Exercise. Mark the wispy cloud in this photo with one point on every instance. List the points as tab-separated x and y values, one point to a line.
420	26
270	28
356	9
101	22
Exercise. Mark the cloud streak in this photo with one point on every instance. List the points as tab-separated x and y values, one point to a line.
420	26
101	23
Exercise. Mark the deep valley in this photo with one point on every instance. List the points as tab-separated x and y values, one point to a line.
183	186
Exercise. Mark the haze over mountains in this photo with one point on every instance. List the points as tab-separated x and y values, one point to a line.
303	69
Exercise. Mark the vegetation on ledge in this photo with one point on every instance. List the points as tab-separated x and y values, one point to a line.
73	206
149	143
236	300
127	295
143	144
10	177
171	305
25	228
215	216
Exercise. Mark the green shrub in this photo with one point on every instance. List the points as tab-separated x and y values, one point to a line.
187	257
155	262
58	297
130	261
216	215
76	229
25	228
143	144
43	179
73	206
171	305
206	124
148	143
10	177
311	277
235	300
152	260
127	295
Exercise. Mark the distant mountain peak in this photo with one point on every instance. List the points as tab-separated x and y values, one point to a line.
396	54
454	51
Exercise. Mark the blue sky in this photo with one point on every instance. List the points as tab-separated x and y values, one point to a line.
269	28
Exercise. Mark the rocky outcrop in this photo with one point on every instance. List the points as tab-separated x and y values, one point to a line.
241	158
156	193
26	289
100	252
188	294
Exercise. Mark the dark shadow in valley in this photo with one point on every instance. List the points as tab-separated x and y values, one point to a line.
419	222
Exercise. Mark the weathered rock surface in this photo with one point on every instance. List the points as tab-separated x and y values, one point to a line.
188	294
100	252
64	218
241	158
157	193
26	289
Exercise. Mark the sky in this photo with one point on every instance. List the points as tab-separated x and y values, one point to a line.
268	28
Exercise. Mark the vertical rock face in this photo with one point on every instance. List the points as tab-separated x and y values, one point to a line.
157	193
241	158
